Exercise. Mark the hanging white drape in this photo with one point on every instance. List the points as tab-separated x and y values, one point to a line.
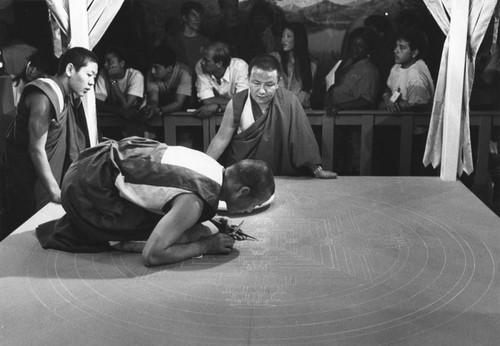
99	15
455	106
80	23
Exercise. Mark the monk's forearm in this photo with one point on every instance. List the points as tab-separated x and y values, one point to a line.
217	147
175	253
44	172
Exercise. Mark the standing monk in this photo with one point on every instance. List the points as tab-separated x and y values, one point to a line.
48	133
268	123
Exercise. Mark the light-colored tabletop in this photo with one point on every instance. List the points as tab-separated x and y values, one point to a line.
353	261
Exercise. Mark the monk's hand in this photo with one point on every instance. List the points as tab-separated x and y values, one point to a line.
324	174
206	110
225	223
219	243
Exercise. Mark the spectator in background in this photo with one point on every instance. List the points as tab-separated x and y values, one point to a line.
356	86
39	65
168	85
357	80
120	89
409	85
299	69
188	43
409	88
219	77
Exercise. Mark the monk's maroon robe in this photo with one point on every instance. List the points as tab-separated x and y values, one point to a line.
282	137
66	137
118	191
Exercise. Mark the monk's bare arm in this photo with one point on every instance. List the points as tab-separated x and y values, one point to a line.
224	135
163	244
39	122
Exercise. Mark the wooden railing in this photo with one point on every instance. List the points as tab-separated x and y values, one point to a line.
366	120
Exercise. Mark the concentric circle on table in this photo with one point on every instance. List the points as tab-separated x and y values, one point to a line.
369	274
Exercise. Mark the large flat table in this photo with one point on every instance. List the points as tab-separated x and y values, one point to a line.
353	261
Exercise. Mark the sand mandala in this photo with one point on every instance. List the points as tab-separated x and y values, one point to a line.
361	272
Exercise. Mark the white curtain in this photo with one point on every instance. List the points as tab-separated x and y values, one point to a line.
84	29
480	13
100	13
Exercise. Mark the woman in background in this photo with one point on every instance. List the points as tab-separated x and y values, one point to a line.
298	68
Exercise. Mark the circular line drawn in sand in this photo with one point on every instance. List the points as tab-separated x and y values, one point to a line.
373	273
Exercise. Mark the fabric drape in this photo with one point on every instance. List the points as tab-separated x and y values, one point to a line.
99	13
480	13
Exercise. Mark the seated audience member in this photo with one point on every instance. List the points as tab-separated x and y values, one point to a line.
118	194
39	65
410	85
188	43
357	81
48	133
409	88
298	68
268	123
168	83
120	89
168	88
219	77
356	86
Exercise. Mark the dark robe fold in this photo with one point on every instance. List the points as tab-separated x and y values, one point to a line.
282	137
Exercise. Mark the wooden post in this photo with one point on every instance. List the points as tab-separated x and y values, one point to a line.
453	99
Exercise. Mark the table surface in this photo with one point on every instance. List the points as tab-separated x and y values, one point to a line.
353	261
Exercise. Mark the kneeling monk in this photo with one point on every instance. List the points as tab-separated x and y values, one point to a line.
118	193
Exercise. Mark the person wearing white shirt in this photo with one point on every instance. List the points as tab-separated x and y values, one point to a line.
120	89
219	77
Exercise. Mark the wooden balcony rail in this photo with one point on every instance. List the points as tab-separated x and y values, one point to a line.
366	120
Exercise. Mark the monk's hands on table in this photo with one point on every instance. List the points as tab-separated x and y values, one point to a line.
233	231
219	243
227	229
